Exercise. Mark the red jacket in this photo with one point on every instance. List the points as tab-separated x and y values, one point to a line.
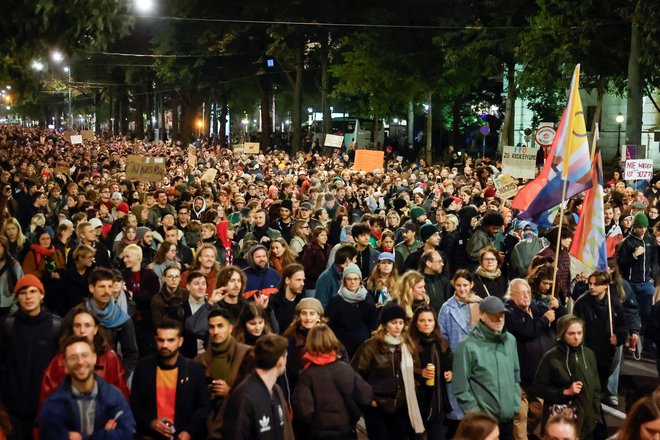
108	366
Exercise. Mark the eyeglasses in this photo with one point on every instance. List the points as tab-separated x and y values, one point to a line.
172	277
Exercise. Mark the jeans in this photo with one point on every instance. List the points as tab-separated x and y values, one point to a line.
644	293
613	380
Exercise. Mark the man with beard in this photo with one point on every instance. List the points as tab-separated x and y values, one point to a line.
290	292
226	362
170	399
261	279
261	233
85	405
284	222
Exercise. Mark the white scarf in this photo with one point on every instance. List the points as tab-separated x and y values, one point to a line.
408	374
352	297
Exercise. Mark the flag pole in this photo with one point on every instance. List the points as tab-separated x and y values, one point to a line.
609	309
561	221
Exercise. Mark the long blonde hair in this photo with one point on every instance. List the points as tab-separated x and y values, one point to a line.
377	280
403	295
20	238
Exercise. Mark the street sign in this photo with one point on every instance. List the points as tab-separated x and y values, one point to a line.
545	135
485	129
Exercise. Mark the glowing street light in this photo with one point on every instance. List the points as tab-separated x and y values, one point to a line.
619	120
57	56
37	65
144	6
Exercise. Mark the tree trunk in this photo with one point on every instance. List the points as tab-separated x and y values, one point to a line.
187	119
176	103
265	88
600	94
455	136
325	86
509	109
139	115
296	123
98	100
411	121
429	130
634	104
123	112
223	116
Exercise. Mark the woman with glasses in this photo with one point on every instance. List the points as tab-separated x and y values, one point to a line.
489	280
165	257
299	237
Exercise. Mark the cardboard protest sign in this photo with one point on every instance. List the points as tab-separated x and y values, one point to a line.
334	141
238	150
76	139
67	134
368	160
506	185
251	147
145	168
87	135
519	162
209	175
63	169
639	169
192	156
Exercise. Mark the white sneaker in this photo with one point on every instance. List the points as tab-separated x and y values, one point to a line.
613	400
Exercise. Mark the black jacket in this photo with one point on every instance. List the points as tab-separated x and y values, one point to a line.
534	336
328	400
192	397
438	288
27	345
253	413
352	322
642	268
595	314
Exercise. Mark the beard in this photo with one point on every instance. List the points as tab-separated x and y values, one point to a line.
165	354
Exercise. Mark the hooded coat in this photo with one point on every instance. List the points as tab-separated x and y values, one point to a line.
259	281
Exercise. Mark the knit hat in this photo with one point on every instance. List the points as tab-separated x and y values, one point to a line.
29	281
123	207
386	256
399	203
116	195
392	312
310	304
426	231
287	204
637	205
640	221
416	212
489	192
142	231
351	269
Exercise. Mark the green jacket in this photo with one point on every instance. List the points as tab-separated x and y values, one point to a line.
487	373
559	368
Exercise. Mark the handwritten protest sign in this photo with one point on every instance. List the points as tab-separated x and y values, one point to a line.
368	160
145	168
639	169
506	185
251	147
334	141
209	175
238	150
76	139
519	162
87	135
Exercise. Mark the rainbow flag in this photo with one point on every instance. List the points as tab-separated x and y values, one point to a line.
568	160
589	239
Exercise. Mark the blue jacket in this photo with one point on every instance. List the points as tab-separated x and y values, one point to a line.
454	320
261	281
328	285
60	414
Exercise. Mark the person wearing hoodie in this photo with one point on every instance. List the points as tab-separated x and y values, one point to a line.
567	378
330	279
494	390
198	208
261	279
228	249
260	232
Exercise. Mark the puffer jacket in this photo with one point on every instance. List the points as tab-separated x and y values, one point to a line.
487	373
642	268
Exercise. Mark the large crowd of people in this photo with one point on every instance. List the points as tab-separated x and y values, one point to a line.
290	296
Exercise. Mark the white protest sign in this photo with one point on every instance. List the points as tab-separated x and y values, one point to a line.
76	139
334	141
519	162
506	185
251	148
639	169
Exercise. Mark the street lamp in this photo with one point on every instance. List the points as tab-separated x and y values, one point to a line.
144	6
619	120
200	125
57	56
67	70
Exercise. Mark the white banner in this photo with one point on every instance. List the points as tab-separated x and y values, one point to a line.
76	139
519	162
639	169
506	185
334	141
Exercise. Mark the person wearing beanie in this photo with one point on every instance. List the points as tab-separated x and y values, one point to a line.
410	242
568	376
387	362
309	313
638	263
495	390
330	279
418	215
261	279
430	237
367	256
28	341
352	313
284	222
488	233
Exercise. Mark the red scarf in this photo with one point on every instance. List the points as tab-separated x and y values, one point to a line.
40	252
319	358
